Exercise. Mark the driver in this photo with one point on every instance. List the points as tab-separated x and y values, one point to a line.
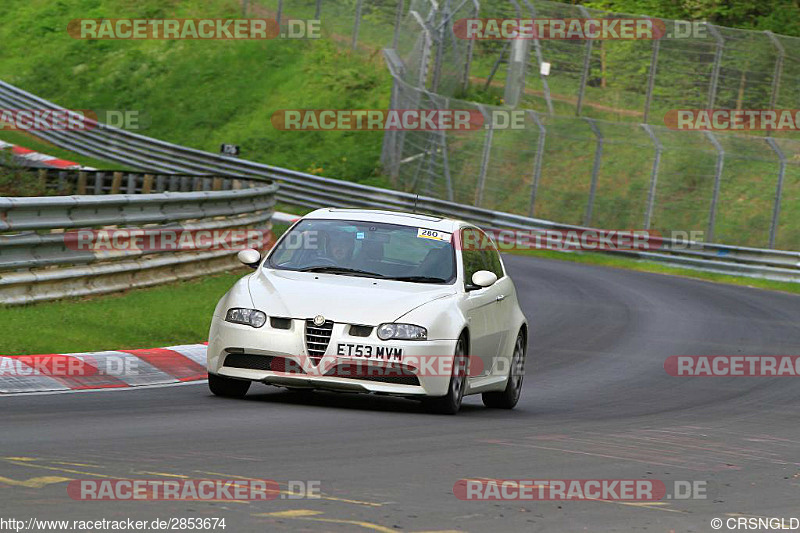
340	247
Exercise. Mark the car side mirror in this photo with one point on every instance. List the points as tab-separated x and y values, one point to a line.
483	278
249	257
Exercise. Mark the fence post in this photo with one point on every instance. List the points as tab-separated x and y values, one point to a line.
444	23
537	161
651	78
587	55
398	19
426	50
538	49
776	209
470	49
712	213
318	10
712	88
598	156
487	148
776	76
651	196
280	13
357	24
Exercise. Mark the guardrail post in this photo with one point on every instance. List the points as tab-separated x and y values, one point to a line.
598	156
131	187
651	196
43	178
116	183
62	185
712	212
186	184
99	179
147	184
197	184
537	161
82	177
776	208
776	75
487	149
161	183
357	24
712	88
587	55
651	79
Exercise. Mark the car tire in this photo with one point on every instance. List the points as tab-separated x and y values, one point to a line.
227	387
509	397
450	403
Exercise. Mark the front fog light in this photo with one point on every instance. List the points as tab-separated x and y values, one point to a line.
248	317
402	331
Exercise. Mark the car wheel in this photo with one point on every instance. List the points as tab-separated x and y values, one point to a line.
450	403
508	398
227	387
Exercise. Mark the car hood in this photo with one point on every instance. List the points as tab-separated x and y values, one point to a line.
349	299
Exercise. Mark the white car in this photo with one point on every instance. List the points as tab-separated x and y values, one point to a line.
372	301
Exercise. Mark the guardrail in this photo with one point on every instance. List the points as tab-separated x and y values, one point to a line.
308	190
41	258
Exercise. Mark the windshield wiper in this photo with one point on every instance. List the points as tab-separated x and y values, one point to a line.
418	279
341	270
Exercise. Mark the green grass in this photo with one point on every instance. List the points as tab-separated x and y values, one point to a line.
38	145
177	313
201	93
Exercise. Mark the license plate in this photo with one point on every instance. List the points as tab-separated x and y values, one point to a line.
367	351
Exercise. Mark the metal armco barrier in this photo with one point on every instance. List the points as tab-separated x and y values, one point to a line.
39	262
308	190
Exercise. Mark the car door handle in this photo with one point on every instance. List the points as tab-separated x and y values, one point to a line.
500	298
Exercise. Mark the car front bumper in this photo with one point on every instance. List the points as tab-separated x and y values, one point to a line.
227	339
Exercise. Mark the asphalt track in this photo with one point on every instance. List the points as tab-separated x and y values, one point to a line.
597	404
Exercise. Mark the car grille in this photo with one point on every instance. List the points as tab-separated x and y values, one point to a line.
396	376
248	361
317	339
262	362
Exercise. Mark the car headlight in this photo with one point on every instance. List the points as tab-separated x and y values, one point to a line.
248	317
402	331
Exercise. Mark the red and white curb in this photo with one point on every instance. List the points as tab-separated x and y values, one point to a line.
102	370
41	159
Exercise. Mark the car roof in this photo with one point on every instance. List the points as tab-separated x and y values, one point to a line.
389	217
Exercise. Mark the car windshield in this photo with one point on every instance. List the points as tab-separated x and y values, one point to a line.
371	249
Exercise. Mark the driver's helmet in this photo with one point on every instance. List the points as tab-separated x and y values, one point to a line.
340	245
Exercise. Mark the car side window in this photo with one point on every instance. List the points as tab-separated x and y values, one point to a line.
472	257
492	258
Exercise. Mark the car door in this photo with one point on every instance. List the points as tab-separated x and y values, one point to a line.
479	305
503	293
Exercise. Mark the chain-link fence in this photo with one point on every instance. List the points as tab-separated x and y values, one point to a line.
593	148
